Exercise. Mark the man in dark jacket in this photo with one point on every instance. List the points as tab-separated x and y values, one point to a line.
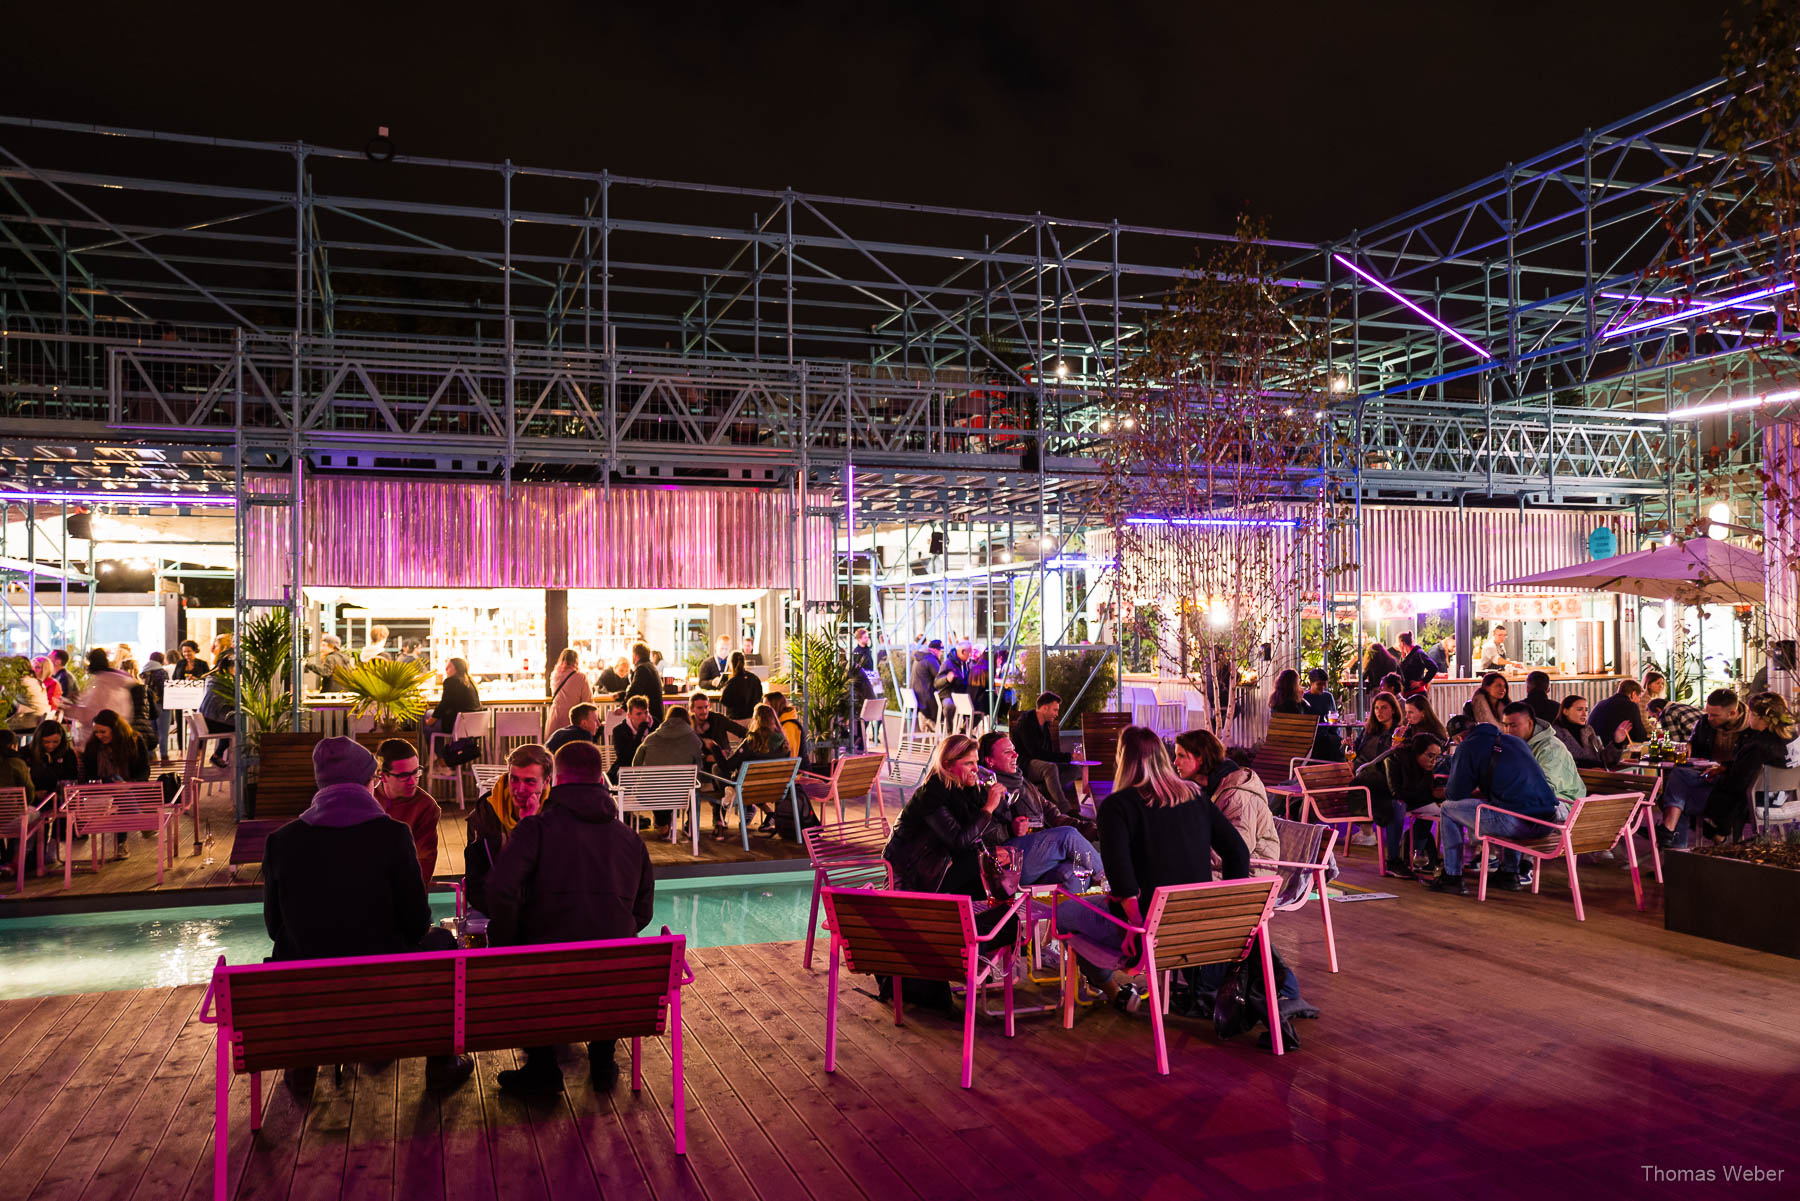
646	682
342	880
925	667
572	873
629	733
1041	757
584	726
1494	769
1620	708
1416	667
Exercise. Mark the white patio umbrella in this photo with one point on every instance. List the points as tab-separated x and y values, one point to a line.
1700	571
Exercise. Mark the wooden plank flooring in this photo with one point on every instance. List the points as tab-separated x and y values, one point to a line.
1466	1050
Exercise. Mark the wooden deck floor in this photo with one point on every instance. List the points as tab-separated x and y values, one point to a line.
1465	1050
137	873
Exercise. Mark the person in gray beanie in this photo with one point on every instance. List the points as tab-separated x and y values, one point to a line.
341	880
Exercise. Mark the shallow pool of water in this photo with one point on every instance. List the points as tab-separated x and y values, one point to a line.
142	948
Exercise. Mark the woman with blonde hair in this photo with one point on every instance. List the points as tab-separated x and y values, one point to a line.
568	687
936	844
1155	829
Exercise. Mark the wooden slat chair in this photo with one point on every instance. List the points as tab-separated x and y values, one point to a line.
852	776
1288	744
760	782
1328	796
19	820
248	842
284	784
1600	781
96	810
919	936
846	855
1188	926
1100	742
646	789
379	1007
1305	860
1595	823
909	763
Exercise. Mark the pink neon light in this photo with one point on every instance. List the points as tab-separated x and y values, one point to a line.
1415	308
1698	310
118	498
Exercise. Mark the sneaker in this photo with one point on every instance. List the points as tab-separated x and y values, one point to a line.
1665	838
531	1082
604	1073
1525	877
1363	838
1505	881
1129	997
1401	871
1445	882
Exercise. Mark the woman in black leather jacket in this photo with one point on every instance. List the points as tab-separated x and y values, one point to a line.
936	845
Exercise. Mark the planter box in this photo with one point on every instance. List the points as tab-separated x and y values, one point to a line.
1728	900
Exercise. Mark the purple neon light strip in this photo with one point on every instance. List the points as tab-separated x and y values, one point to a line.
1415	308
117	498
1755	308
1699	310
1208	521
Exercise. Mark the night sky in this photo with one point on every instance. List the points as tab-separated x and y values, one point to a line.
1322	116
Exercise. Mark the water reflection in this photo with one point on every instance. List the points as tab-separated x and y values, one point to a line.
161	948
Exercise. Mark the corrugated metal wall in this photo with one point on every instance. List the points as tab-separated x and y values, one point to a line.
400	533
1468	550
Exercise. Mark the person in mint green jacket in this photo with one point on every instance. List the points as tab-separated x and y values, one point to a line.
1522	722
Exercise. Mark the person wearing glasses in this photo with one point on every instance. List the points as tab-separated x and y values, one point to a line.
397	789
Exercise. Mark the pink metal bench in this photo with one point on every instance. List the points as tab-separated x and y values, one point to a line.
304	1013
1595	823
100	809
921	935
20	819
1188	926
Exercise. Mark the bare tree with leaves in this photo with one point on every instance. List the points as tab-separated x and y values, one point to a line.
1215	488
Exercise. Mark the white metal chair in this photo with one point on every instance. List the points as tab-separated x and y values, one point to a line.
909	763
19	820
486	776
468	725
648	789
198	773
96	810
1304	865
909	712
873	711
1774	780
514	728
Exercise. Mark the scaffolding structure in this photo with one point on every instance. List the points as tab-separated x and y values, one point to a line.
181	315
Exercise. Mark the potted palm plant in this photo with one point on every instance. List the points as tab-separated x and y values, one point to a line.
825	687
259	686
388	692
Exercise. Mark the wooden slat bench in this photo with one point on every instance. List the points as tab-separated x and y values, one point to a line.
301	1014
1288	744
1595	823
93	810
20	820
1599	781
919	936
1100	744
1329	797
1188	926
248	843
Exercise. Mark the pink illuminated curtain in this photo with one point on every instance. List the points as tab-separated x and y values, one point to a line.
398	533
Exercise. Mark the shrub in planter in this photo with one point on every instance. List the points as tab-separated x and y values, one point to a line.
1743	893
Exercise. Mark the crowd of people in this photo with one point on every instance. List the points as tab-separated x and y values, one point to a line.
100	718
